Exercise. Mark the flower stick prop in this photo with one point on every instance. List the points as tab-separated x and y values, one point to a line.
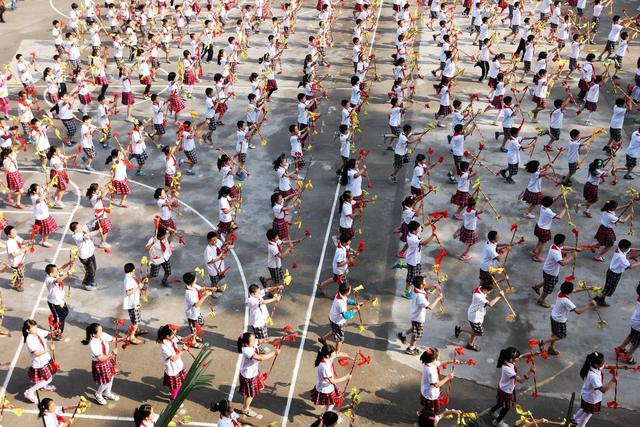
81	407
289	335
492	270
564	192
118	322
583	285
614	372
360	360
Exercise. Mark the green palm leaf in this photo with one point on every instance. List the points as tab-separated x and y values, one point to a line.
196	379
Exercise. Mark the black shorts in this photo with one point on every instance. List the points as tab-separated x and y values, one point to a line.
573	168
615	134
413	271
507	132
134	315
527	66
610	46
631	162
634	337
155	269
395	130
554	132
549	283
513	169
212	123
417	330
260	333
456	162
573	63
558	329
338	331
160	130
399	161
477	328
276	274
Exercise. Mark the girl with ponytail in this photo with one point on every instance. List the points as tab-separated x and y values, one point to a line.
326	391
103	362
42	368
251	380
228	416
52	414
119	178
593	387
144	416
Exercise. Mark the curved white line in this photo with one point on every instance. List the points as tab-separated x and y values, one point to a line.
55	9
14	361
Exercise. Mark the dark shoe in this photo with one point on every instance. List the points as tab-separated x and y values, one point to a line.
472	347
402	338
456	331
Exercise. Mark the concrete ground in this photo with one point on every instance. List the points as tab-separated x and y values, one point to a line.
390	385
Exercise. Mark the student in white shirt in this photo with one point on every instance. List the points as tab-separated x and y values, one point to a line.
341	259
560	313
194	296
476	312
54	283
431	383
259	316
593	387
42	367
134	290
617	122
632	152
52	415
618	265
506	397
275	255
339	314
542	230
606	236
633	339
551	268
229	417
103	362
160	250
17	252
144	415
620	53
171	349
251	381
418	312
515	144
413	255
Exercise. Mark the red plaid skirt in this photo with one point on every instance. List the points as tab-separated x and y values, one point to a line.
543	235
605	236
347	232
176	103
47	226
444	110
174	382
417	191
404	232
122	187
287	193
85	99
234	192
168	180
360	202
540	102
468	237
167	224
583	85
506	400
590	408
532	198
272	85
128	98
63	179
590	106
222	108
281	227
429	406
42	374
103	372
146	80
224	227
250	387
321	399
104	225
15	181
460	198
492	83
590	192
498	101
102	80
189	78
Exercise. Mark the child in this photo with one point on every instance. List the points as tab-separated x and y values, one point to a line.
590	191
44	224
251	381
542	229
280	211
413	256
17	252
225	209
138	148
418	314
573	155
616	123
634	335
258	311
467	232
102	223
326	392
42	367
400	155
54	283
144	416
533	193
242	145
165	203
339	314
559	315
86	254
340	264
591	99
103	362
431	383
171	166
605	235
275	255
228	415
15	181
176	103
52	415
593	387
133	287
619	264
160	250
194	296
214	254
551	268
171	350
189	146
457	150
58	177
476	312
493	254
86	132
506	398
119	176
514	146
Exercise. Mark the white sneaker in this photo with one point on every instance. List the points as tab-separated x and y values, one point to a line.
100	400
112	396
31	397
49	388
104	245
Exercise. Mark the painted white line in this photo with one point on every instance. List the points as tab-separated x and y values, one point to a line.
296	367
28	212
55	9
129	420
14	361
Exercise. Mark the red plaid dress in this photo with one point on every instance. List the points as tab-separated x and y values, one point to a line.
468	237
174	381
47	226
15	181
251	387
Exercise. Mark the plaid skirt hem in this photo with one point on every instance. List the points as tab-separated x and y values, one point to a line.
605	236
174	381
323	399
42	374
47	226
251	387
429	406
543	235
532	198
15	181
122	187
506	400
103	372
460	198
468	237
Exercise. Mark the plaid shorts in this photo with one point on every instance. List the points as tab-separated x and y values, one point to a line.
610	46
140	158
611	283
214	280
260	333
90	152
70	125
513	169
549	283
615	134
554	132
276	274
242	157
212	123
18	273
395	130
634	337
192	156
573	168
134	315
338	331
75	65
573	63
559	329
631	162
399	161
485	277
413	271
527	66
160	130
155	269
477	328
417	329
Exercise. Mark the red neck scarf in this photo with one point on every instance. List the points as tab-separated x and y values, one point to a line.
104	347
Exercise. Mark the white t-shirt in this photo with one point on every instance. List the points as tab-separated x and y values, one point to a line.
633	150
591	386
223	204
477	309
552	262
133	300
258	312
249	365
546	218
617	117
191	297
635	318
340	256
13	246
38	342
562	308
619	262
338	307
470	219
212	252
99	346
489	254
430	377
324	372
55	291
508	377
413	256
513	151
273	254
418	172
419	306
168	349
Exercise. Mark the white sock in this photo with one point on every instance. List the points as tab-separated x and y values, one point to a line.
37	386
